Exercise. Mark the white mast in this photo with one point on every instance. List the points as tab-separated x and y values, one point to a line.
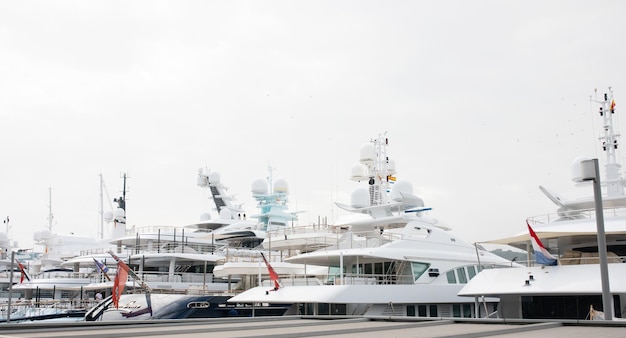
50	215
101	234
614	182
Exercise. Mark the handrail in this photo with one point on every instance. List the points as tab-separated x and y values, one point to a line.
576	214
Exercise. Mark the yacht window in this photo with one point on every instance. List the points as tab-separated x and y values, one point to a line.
338	309
419	269
323	309
421	310
471	271
333	272
451	278
410	310
456	310
467	310
388	267
305	309
378	268
433	311
462	275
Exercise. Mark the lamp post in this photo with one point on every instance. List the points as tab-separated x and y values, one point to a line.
589	171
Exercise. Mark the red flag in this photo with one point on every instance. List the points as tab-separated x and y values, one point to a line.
23	271
120	282
273	274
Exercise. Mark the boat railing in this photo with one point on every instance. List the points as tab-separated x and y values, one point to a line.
153	229
346	279
27	308
97	251
328	238
248	255
306	229
171	247
576	214
61	275
582	259
177	277
370	279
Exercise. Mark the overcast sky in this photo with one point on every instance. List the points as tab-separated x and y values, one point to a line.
482	102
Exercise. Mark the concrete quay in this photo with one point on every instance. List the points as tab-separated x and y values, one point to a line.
277	327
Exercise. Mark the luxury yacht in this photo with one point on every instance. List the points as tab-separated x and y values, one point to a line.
393	259
180	274
571	287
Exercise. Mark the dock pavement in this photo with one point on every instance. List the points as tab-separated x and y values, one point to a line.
297	326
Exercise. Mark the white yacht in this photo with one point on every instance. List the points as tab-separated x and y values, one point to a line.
393	260
572	289
183	270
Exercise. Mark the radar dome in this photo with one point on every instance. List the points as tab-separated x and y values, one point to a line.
108	216
281	186
404	187
119	213
202	180
577	169
360	198
205	216
45	234
259	186
226	214
368	153
359	172
214	177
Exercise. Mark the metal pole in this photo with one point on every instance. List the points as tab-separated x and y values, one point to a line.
607	300
10	286
204	280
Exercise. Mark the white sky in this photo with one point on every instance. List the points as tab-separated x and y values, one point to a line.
482	102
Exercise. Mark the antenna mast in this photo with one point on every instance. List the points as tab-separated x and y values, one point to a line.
614	182
50	215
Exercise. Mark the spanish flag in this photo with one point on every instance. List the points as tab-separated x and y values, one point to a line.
612	106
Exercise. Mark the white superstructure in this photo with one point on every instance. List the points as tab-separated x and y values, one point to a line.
572	288
392	260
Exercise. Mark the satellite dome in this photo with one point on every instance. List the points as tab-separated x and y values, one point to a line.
205	216
404	187
119	213
108	216
577	170
359	172
259	186
214	177
360	198
281	186
202	179
368	153
226	214
45	234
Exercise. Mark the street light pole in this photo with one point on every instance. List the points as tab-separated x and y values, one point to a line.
591	172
